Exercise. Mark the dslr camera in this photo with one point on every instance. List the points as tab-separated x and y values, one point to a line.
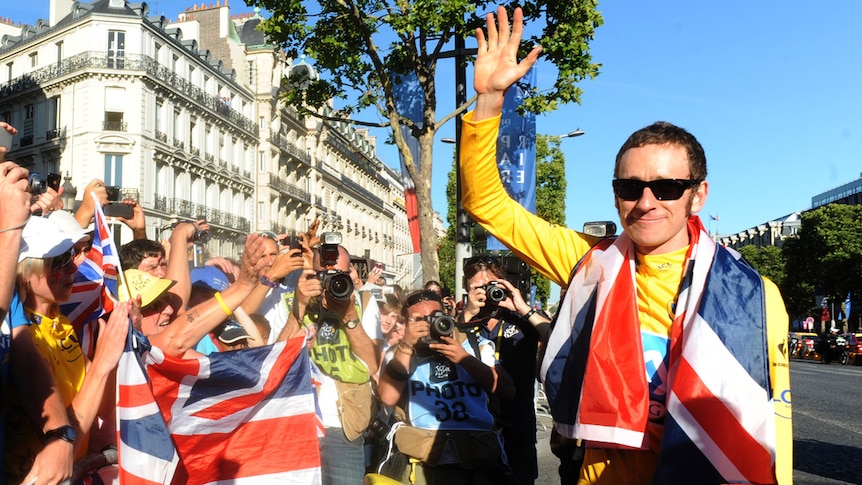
336	283
440	325
495	292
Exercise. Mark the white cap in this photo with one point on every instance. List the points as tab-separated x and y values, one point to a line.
42	238
68	224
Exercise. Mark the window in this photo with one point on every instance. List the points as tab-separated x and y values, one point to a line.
113	170
251	73
59	51
114	121
53	118
116	48
28	112
9	71
159	107
34	60
261	206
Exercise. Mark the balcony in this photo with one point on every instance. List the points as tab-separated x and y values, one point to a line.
289	189
178	144
26	140
192	211
52	134
195	151
115	126
161	136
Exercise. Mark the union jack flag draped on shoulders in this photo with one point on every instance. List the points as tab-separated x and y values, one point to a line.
246	416
95	288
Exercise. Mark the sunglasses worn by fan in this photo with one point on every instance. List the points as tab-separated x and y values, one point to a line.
61	261
662	189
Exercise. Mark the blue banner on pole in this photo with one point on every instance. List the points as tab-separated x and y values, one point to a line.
516	150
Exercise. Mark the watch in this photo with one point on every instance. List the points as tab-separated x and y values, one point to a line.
351	324
65	433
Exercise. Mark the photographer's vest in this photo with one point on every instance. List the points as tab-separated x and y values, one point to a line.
444	396
331	350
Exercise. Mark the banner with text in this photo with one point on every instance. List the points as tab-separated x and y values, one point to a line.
516	150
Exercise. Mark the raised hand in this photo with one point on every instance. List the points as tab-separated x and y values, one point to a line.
497	65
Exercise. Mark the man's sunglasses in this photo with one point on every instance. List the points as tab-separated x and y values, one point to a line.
662	189
485	259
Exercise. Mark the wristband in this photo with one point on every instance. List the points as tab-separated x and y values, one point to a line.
529	314
396	375
221	302
268	282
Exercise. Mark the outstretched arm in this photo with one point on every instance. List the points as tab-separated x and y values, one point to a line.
497	65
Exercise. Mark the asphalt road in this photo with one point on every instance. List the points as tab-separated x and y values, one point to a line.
827	426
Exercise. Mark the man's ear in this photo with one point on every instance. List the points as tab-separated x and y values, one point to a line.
698	198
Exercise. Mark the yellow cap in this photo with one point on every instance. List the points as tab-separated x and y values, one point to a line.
148	286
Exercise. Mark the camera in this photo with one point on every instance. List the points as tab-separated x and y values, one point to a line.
38	184
113	193
336	283
200	237
440	325
495	292
53	181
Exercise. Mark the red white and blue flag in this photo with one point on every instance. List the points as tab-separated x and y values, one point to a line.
246	416
95	288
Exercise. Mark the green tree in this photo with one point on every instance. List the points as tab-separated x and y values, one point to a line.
768	261
825	256
362	49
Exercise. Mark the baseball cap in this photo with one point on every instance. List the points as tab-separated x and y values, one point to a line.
148	286
210	277
68	224
232	333
42	238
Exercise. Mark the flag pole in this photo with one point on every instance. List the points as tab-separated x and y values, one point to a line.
100	214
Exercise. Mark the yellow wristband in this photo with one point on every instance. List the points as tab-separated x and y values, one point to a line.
221	302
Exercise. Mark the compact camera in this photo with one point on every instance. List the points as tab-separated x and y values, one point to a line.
495	292
200	237
440	325
38	184
336	283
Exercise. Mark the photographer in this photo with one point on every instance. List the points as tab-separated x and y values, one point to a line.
443	383
345	348
499	313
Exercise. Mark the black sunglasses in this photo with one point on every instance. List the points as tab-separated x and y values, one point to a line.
662	189
61	261
420	296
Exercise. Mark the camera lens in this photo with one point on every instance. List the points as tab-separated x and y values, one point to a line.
201	236
340	286
38	185
494	293
441	325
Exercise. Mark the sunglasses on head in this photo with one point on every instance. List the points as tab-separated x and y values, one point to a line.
61	261
487	260
420	296
662	189
268	235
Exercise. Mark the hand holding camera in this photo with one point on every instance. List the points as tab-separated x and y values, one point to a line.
14	196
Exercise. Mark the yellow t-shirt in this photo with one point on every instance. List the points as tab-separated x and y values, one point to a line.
484	197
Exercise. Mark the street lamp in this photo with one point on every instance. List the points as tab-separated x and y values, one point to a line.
69	193
572	134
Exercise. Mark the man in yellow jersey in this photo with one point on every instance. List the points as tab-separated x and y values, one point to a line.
668	355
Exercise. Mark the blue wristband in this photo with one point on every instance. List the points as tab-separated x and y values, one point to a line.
268	282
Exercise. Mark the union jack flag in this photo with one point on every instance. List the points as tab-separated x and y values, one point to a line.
241	416
95	288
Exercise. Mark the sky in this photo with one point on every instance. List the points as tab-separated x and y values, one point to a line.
770	88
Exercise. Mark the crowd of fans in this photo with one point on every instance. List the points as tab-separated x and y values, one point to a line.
415	386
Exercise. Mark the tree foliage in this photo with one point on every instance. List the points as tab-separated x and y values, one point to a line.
824	258
361	49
